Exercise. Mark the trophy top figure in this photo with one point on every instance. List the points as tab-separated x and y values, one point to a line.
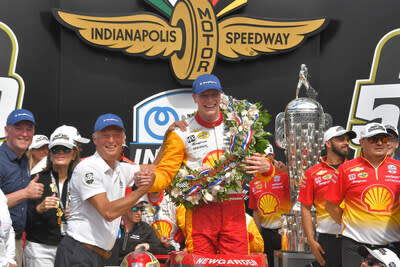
303	80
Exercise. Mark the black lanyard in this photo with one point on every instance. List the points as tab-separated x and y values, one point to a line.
55	190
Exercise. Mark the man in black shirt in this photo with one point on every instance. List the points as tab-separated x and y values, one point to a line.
135	233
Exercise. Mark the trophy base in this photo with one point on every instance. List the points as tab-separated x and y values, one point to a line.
292	258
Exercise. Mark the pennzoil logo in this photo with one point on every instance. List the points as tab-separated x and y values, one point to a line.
377	198
327	176
192	38
363	175
203	135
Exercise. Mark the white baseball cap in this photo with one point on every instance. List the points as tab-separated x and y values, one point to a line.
372	129
336	131
73	132
61	138
391	129
269	150
384	255
38	141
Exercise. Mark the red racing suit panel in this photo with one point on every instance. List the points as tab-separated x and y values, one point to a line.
371	198
218	228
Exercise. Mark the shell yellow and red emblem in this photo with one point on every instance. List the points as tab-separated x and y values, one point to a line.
268	203
377	198
162	228
211	157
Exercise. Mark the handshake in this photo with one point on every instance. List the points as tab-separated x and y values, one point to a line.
144	179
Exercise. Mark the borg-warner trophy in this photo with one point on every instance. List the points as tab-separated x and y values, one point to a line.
299	130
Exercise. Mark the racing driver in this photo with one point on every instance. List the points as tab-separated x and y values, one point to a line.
213	227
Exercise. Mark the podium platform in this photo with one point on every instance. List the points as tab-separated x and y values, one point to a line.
178	259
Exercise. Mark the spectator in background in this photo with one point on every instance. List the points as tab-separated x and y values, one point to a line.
7	236
47	215
73	131
381	257
161	213
327	250
38	150
15	181
393	143
256	242
269	200
369	187
135	233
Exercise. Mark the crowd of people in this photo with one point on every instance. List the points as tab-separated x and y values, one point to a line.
93	211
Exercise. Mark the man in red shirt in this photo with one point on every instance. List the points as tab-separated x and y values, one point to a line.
327	250
369	185
269	200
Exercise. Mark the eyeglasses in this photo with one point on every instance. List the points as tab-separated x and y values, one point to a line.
136	209
58	149
375	139
374	262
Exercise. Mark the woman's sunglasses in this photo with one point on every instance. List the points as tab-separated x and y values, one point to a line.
58	149
136	209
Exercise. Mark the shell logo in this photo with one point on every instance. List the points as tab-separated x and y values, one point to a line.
211	157
268	203
377	198
162	228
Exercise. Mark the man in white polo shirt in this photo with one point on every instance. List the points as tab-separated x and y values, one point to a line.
97	197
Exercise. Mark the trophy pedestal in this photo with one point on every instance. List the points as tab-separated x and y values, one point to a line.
293	236
292	258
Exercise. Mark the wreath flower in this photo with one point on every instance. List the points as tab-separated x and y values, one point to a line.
245	124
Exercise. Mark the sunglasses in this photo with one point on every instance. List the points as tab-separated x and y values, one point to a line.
136	209
58	149
375	139
374	262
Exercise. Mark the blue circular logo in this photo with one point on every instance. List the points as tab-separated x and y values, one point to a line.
159	116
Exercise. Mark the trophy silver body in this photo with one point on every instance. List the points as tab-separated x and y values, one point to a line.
299	130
